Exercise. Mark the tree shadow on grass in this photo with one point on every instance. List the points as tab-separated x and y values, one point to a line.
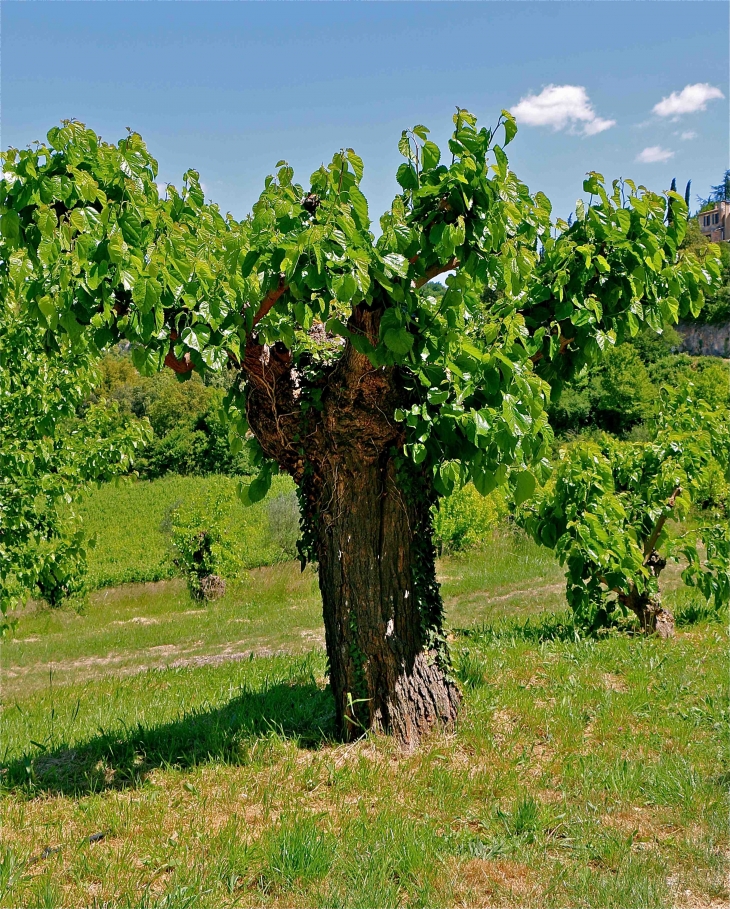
244	731
546	626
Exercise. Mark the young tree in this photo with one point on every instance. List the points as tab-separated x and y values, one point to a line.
605	513
375	399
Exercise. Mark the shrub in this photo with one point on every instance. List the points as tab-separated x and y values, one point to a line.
466	519
621	391
203	549
614	397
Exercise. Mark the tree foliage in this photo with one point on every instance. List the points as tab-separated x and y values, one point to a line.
47	452
92	251
605	511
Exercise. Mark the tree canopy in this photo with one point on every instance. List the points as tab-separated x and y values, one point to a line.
91	249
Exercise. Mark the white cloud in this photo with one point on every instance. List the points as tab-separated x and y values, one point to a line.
692	98
560	106
654	154
688	134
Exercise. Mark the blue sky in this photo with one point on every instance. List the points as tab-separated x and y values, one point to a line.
230	87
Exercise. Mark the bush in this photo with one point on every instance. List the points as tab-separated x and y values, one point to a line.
466	519
204	553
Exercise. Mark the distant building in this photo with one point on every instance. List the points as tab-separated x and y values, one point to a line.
715	222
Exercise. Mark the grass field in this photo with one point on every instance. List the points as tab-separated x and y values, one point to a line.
199	743
129	521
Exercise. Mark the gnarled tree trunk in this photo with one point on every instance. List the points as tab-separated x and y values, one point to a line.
367	523
382	608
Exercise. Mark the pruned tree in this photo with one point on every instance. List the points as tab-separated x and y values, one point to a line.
606	510
374	398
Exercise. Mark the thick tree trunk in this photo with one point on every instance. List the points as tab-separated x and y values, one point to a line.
383	614
367	524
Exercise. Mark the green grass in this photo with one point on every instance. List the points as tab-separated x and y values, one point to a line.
270	609
129	521
582	772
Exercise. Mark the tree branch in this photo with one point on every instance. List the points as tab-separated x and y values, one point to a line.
269	300
436	270
273	403
536	357
179	366
651	542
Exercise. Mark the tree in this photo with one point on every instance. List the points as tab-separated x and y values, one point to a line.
190	435
719	193
376	399
605	513
47	453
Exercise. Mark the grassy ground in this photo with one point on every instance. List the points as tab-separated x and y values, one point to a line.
582	773
271	609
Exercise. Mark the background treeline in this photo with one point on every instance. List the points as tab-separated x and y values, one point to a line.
189	434
621	394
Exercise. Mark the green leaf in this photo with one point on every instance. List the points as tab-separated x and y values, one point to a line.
360	207
485	482
418	452
501	161
548	535
510	127
256	489
356	162
45	304
344	288
252	257
431	155
10	226
421	131
407	177
524	487
196	337
397	263
399	340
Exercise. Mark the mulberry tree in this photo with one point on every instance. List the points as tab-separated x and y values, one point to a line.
377	398
606	510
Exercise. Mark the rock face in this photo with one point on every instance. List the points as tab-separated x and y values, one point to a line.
705	340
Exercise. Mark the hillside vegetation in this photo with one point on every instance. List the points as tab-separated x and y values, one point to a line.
130	521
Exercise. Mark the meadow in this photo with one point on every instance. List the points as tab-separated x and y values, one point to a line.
160	753
129	520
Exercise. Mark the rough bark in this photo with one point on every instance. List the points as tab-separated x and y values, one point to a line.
653	617
382	608
367	524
